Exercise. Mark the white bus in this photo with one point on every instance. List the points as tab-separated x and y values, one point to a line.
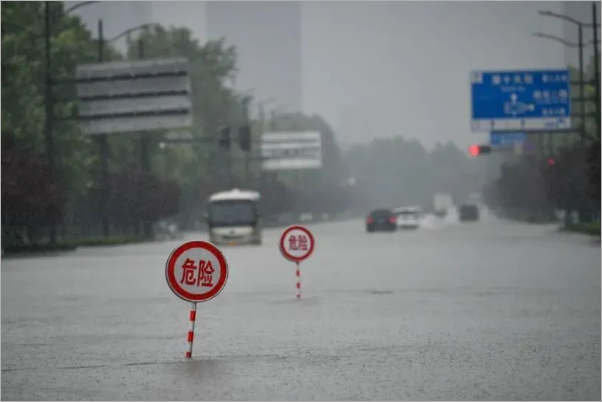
233	217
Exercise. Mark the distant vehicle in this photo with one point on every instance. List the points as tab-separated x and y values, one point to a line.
475	199
381	220
233	217
166	230
442	202
306	217
469	213
407	218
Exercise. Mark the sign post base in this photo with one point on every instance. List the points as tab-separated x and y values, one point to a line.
191	330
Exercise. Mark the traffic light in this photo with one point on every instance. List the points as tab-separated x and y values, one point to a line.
244	138
224	138
551	162
476	150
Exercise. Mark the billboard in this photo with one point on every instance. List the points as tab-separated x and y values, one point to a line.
290	150
133	96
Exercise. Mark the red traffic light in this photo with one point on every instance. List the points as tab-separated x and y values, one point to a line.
551	162
476	150
473	150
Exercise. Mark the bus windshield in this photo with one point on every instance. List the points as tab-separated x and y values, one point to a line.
228	213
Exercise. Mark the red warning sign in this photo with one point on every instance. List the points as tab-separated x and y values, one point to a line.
196	271
296	243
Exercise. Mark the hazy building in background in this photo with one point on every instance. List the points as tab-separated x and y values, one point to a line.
268	38
372	69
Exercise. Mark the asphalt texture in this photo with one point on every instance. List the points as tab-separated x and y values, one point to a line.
480	311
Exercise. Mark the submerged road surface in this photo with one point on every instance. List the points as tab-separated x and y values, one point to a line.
490	310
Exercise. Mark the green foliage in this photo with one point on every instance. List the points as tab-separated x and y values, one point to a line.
591	106
394	172
137	199
315	190
23	72
589	228
31	195
197	166
23	83
533	188
520	192
76	156
212	66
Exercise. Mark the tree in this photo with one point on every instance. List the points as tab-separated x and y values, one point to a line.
594	172
531	188
137	199
23	88
198	166
316	190
568	184
395	171
23	82
31	195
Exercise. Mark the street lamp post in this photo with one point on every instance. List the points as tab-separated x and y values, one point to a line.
103	141
103	145
79	5
274	112
581	97
143	141
260	107
595	25
49	104
262	129
48	95
596	67
48	87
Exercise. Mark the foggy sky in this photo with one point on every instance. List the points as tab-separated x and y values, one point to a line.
384	69
377	69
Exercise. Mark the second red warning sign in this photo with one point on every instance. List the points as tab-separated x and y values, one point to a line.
196	271
296	243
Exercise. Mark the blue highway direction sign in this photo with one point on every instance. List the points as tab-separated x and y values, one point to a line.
501	139
520	100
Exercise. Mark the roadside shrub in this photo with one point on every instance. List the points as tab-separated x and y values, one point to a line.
32	197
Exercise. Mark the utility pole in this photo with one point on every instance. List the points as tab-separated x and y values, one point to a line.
262	118
551	150
229	151
140	49
49	140
248	126
103	144
261	133
581	85
144	148
596	68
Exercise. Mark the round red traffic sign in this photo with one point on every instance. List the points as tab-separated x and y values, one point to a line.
296	243
196	271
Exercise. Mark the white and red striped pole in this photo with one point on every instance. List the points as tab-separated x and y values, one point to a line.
191	330
298	281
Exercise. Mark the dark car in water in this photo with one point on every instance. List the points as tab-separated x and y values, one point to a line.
469	213
381	220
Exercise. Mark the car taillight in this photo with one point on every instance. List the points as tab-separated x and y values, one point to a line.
392	219
369	219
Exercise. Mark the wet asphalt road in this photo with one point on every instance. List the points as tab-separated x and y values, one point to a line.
492	310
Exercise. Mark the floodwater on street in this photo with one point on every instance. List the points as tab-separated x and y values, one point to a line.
487	310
